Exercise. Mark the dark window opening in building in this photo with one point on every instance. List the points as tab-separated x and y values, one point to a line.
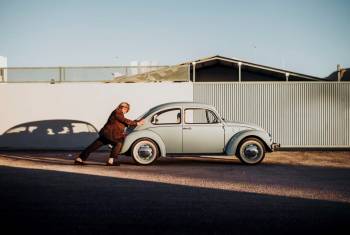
215	71
252	74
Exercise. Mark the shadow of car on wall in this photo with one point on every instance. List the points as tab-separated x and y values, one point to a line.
49	134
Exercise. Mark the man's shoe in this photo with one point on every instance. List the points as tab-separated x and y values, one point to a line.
78	163
115	163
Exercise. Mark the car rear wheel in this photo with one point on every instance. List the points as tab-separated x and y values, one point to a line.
251	151
144	151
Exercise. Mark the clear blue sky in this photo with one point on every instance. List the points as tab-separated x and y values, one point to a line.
307	36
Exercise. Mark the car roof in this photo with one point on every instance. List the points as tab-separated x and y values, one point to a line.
184	104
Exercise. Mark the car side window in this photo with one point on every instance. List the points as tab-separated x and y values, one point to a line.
200	116
170	116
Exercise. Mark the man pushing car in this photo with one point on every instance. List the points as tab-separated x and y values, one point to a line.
113	132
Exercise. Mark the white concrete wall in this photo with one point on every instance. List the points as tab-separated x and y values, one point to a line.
89	102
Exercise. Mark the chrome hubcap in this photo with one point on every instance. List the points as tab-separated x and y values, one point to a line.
145	151
251	151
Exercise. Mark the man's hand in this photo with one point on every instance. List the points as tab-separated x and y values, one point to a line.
141	122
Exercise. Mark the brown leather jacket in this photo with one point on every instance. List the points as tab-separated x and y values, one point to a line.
113	130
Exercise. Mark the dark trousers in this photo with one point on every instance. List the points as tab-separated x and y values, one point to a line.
98	143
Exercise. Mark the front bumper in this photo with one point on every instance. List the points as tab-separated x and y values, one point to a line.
275	146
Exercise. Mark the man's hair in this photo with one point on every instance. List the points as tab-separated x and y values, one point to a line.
124	104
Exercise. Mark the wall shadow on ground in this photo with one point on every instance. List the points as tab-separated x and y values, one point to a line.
49	134
321	178
40	201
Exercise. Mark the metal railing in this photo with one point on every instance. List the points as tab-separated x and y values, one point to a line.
71	74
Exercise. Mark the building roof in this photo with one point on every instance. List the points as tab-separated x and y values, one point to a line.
180	72
259	66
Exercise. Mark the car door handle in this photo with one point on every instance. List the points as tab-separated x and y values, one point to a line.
187	128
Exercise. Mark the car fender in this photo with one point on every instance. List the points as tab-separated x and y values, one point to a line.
232	145
135	135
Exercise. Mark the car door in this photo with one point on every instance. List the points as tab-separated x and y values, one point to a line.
167	124
202	132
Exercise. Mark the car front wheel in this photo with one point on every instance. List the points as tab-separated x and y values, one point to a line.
251	151
144	151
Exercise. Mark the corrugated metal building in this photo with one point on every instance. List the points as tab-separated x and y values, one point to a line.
300	111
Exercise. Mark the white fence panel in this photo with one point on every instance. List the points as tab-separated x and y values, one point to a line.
297	114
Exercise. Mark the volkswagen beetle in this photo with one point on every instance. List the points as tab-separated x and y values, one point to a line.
188	128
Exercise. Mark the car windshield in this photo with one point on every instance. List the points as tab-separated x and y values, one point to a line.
147	113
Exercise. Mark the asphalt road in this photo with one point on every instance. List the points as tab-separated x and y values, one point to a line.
288	193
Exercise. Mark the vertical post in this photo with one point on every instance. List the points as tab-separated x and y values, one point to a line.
338	72
2	79
287	77
239	71
63	74
194	71
3	69
189	73
60	74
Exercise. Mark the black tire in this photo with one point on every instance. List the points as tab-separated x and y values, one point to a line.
144	151
251	151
